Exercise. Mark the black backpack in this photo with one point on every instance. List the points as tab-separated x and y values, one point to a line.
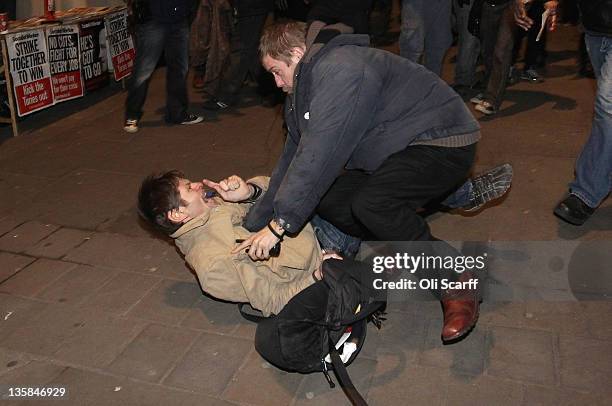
305	344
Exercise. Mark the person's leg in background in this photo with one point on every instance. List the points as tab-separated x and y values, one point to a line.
438	33
150	38
489	30
468	48
593	180
502	59
177	61
412	34
535	53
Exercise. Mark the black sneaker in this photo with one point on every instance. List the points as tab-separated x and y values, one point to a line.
215	105
573	210
192	119
489	185
530	75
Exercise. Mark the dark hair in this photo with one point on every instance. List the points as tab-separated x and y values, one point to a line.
157	196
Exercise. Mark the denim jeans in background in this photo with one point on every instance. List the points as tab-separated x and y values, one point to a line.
153	38
332	239
468	46
426	32
593	180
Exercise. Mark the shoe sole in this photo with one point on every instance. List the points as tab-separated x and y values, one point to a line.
197	121
497	193
130	130
484	110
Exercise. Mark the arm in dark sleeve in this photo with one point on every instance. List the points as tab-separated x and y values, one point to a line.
262	211
340	113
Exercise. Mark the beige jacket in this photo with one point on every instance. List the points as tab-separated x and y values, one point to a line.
206	242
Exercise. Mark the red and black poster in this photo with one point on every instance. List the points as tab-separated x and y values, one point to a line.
94	63
65	63
120	44
29	67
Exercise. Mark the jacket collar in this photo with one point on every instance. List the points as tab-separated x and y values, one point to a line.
192	224
319	35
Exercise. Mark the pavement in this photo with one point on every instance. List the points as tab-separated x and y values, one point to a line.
93	301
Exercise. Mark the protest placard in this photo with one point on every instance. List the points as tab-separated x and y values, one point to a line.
29	67
120	44
65	62
94	63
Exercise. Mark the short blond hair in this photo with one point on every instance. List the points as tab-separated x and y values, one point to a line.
279	39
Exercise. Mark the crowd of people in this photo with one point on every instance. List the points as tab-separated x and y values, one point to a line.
372	137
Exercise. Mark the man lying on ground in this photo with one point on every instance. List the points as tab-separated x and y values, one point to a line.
206	228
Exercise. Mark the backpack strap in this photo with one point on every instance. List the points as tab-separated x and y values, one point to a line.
344	379
250	316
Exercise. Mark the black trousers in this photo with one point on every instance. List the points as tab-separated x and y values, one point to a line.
383	205
310	303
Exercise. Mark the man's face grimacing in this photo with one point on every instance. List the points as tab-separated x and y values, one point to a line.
193	202
283	73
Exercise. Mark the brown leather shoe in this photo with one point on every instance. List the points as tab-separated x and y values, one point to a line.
461	308
460	315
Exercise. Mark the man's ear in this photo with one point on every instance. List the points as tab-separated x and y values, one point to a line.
297	52
177	215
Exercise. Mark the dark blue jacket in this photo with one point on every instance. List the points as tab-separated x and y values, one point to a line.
596	16
352	107
172	11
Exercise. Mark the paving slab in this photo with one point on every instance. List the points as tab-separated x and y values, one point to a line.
168	303
99	340
10	264
150	256
122	292
585	363
396	381
77	285
32	373
482	390
541	396
255	374
18	189
521	354
16	312
10	360
153	353
59	243
210	364
314	389
25	236
36	277
467	356
44	333
89	198
213	316
93	388
8	223
599	318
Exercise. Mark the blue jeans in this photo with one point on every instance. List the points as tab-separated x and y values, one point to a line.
468	47
426	32
332	239
593	180
153	38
